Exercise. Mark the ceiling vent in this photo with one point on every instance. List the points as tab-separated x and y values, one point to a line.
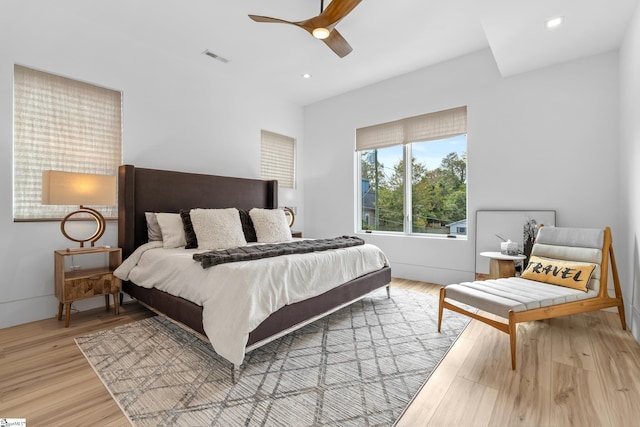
215	56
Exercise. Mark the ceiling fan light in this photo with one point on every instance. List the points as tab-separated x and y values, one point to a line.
320	33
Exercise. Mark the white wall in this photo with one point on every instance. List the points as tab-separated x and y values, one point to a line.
547	139
180	113
630	159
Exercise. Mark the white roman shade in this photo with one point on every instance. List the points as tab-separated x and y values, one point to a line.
65	125
426	127
277	158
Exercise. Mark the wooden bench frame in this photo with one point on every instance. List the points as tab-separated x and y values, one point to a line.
602	300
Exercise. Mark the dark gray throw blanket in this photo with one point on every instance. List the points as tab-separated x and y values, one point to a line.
247	253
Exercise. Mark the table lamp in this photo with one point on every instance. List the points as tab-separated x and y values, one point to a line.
292	216
70	188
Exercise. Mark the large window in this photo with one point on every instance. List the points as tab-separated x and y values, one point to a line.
430	197
65	125
278	158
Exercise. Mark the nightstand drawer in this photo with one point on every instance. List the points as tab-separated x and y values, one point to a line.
85	287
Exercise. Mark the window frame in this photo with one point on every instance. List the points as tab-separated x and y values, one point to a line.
405	132
407	201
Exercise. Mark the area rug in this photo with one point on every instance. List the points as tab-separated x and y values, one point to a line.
360	366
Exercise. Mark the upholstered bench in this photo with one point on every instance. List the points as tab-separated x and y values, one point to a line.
566	274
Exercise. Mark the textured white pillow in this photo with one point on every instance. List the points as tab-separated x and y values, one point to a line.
172	230
271	225
154	233
217	228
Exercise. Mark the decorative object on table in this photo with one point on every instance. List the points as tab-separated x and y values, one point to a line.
508	224
361	365
507	247
71	188
530	232
291	214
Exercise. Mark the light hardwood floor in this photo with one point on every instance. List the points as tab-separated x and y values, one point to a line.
581	370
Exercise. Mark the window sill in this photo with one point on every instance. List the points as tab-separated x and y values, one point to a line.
414	236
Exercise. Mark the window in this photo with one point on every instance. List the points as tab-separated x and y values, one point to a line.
430	197
61	124
277	158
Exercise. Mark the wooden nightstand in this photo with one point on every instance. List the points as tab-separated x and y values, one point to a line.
296	233
72	285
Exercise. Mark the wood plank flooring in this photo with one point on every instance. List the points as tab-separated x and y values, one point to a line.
582	370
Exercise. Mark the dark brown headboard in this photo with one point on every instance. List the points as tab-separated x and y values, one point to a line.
152	190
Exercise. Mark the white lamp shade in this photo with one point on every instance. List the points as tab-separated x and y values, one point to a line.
70	188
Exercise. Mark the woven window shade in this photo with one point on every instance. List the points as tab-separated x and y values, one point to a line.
277	158
426	127
61	124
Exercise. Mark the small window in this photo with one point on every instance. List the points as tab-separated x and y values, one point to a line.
65	125
278	158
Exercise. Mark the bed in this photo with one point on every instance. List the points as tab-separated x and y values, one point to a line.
143	190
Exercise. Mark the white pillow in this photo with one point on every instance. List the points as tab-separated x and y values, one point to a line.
217	228
172	230
154	233
271	225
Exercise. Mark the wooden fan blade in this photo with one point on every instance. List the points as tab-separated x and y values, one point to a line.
258	18
336	10
338	44
328	19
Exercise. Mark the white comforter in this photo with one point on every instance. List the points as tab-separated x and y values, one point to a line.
236	297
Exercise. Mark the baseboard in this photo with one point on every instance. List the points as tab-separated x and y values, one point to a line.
441	276
28	310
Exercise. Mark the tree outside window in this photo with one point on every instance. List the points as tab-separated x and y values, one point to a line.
431	199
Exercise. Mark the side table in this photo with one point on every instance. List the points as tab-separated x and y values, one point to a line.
72	285
502	265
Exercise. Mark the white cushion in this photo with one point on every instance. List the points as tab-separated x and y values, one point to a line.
271	225
154	233
217	228
572	244
172	230
513	293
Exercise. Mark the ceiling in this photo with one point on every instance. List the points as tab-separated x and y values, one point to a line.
389	38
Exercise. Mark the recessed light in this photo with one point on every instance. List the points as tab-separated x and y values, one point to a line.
306	76
554	22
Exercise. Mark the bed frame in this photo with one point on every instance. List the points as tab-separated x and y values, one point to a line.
151	190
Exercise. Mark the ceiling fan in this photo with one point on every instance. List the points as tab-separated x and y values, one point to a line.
323	26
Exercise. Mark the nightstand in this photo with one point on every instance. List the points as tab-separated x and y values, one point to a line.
296	233
72	285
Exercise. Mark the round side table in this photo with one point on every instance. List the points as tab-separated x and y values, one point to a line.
501	265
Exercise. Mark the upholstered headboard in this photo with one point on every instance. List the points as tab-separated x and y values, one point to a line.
152	190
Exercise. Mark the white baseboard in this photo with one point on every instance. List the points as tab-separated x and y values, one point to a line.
439	276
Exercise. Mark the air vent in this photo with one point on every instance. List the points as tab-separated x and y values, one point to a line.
215	56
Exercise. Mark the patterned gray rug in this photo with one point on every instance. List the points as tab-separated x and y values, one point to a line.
360	366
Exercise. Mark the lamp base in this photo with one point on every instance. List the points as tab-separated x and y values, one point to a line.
100	226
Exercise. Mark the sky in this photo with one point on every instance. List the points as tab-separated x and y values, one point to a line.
429	153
